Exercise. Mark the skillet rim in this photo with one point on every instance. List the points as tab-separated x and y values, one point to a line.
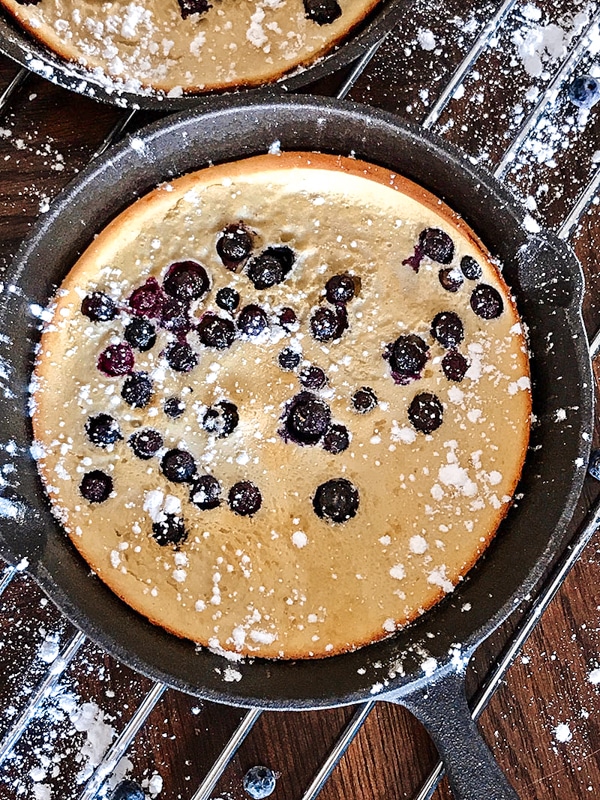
371	121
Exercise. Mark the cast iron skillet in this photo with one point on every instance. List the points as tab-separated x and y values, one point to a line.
17	44
423	666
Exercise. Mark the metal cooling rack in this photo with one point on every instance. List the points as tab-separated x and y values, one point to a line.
577	54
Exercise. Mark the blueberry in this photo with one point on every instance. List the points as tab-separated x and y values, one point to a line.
259	782
147	300
116	359
252	320
189	7
174	407
336	500
96	486
216	332
287	318
323	12
340	289
178	465
181	357
289	359
327	324
221	419
169	530
426	412
594	465
307	419
486	301
313	377
454	365
186	280
103	430
584	91
228	299
141	334
451	279
127	790
175	315
407	356
271	267
245	498
98	307
364	400
470	268
146	443
234	245
448	329
137	389
337	439
436	244
206	492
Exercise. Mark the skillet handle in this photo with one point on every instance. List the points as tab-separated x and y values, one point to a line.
442	708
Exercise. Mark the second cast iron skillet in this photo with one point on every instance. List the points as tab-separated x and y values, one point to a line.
423	666
27	51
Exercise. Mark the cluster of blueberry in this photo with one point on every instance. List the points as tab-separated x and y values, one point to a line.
323	12
408	354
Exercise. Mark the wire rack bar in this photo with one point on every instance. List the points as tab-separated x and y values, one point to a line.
549	96
584	199
469	60
7	576
54	674
122	743
360	67
204	791
342	744
114	134
13	87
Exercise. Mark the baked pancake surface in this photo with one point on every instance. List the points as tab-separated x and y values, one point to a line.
189	45
283	404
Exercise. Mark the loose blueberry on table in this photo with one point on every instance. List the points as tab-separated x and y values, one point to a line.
259	782
584	91
127	790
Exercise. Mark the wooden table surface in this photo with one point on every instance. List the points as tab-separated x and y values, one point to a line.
544	722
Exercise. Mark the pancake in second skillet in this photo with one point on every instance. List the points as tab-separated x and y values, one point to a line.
366	443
